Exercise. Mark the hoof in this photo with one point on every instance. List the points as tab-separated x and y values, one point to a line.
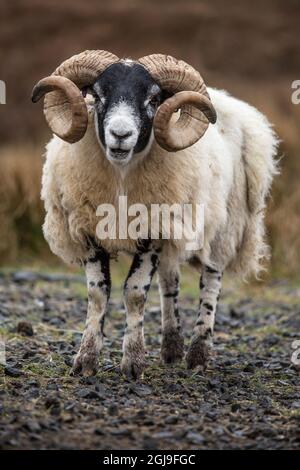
85	364
132	368
172	347
199	353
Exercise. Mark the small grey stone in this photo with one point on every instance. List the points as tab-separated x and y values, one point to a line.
87	393
12	371
195	438
32	426
171	419
141	390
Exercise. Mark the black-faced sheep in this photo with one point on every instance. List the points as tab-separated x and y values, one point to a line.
129	140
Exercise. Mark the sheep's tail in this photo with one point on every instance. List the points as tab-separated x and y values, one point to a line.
259	152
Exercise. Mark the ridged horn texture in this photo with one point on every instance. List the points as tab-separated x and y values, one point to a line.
190	96
64	106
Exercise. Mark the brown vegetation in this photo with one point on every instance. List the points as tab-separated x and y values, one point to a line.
20	205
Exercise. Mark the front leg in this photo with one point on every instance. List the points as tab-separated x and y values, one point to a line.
136	287
201	343
98	284
172	347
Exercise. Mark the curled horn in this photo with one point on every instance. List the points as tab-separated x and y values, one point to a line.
189	95
64	106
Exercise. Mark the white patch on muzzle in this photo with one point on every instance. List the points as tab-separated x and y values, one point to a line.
121	130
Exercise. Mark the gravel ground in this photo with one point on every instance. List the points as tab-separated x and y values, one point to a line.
249	398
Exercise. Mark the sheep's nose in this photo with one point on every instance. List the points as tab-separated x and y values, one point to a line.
121	134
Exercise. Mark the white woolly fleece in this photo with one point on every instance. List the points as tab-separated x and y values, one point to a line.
229	170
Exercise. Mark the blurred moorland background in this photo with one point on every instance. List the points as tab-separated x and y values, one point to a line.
252	50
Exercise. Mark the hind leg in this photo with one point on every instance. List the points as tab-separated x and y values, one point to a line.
172	347
201	343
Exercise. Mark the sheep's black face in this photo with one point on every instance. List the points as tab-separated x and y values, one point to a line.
126	100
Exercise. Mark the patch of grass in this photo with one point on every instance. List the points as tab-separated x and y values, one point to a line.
7	335
55	368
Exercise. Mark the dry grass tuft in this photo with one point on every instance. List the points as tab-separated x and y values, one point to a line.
21	210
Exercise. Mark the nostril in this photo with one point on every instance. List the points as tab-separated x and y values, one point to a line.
121	135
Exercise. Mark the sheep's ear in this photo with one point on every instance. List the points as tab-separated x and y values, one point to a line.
85	90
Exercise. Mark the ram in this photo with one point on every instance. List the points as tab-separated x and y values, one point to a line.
151	130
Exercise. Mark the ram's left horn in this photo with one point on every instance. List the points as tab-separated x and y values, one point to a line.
190	96
179	135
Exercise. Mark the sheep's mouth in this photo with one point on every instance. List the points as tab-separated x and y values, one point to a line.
118	156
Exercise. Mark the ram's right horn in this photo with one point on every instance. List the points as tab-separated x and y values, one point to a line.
64	107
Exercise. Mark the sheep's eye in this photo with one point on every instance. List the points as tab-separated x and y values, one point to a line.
154	101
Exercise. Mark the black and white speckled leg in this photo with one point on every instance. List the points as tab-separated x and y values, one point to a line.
172	347
136	287
98	284
201	343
